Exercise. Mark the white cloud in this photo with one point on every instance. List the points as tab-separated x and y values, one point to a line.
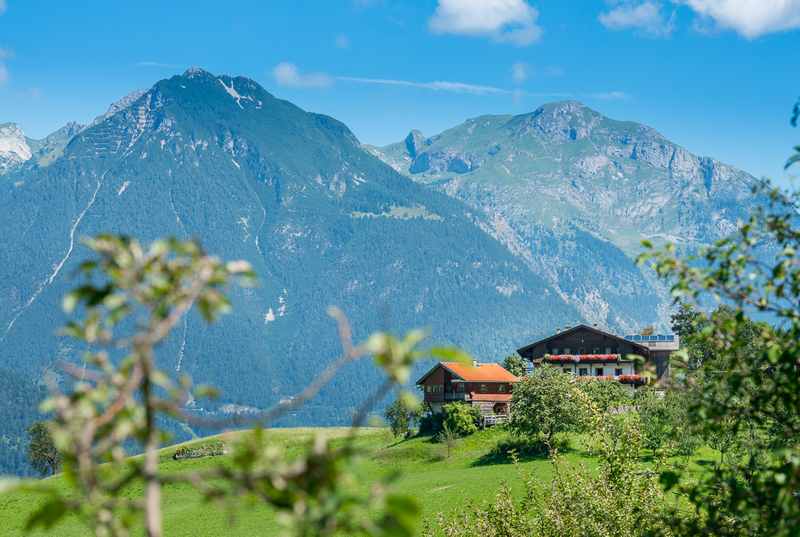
750	18
505	21
342	41
646	17
287	74
158	64
520	72
453	87
610	96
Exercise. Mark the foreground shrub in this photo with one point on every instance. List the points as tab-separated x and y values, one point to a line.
622	499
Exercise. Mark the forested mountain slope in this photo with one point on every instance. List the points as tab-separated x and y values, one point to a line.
322	221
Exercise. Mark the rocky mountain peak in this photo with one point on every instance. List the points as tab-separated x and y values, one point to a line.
561	121
196	72
415	143
14	147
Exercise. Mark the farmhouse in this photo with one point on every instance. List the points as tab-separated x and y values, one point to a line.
487	386
587	351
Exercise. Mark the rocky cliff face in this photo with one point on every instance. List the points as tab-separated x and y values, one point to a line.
573	193
14	148
17	149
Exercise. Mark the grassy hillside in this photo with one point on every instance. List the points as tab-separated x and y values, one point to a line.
439	483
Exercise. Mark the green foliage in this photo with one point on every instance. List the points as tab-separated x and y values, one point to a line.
746	391
460	419
665	421
546	403
515	364
401	415
605	395
622	498
131	299
42	453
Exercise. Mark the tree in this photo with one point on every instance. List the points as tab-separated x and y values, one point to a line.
401	415
605	394
42	453
687	320
131	298
449	438
515	365
460	419
751	386
648	330
545	403
622	498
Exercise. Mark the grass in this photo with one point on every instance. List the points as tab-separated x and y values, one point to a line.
473	472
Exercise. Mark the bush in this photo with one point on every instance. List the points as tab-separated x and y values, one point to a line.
623	498
461	419
213	449
430	424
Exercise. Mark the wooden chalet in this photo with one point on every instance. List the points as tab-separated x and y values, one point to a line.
587	351
487	386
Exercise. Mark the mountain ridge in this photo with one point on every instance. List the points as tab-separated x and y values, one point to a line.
564	184
321	220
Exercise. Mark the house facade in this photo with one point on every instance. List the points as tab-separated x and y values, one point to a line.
487	386
586	351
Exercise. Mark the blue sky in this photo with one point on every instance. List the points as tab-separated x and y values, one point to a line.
716	76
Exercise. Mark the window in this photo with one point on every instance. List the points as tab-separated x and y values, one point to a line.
608	350
459	387
501	388
618	372
566	350
598	371
581	351
555	350
428	389
583	371
596	350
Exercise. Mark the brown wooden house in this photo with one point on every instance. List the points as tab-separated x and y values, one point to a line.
487	386
587	351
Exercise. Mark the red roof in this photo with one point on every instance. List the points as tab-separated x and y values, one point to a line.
474	373
480	372
498	397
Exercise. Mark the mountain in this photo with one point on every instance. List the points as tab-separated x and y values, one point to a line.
572	193
17	149
14	148
322	221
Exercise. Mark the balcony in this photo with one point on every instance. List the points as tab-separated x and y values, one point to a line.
455	396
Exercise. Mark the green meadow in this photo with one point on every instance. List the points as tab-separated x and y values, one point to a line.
438	482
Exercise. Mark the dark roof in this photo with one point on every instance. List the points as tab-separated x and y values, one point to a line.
582	327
